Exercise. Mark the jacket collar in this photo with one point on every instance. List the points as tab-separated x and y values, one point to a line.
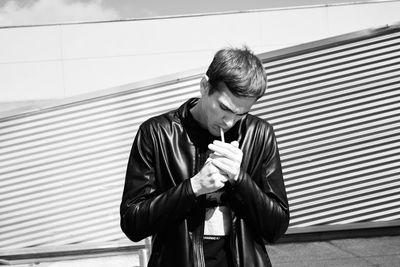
200	136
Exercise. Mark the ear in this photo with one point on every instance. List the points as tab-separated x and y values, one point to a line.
204	86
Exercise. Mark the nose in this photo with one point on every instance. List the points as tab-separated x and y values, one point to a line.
229	120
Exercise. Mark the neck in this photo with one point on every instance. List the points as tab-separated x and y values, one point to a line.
197	114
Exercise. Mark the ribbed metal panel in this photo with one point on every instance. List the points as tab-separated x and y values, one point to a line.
62	169
335	107
336	113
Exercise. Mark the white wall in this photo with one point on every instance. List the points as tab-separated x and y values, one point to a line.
58	61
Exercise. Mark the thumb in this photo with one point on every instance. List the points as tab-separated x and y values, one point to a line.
235	143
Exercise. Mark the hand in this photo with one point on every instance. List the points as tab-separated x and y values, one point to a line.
227	157
208	180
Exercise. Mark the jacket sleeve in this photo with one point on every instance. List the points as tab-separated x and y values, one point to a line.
145	210
260	198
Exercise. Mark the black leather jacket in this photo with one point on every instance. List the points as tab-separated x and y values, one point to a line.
158	200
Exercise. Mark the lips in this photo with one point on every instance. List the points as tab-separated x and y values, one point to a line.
220	127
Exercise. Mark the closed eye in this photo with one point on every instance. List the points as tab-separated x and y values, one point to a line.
225	108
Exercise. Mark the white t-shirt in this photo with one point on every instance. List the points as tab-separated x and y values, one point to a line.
218	221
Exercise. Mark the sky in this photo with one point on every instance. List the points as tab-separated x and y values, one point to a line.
39	12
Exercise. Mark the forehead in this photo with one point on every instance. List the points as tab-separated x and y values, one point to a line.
237	104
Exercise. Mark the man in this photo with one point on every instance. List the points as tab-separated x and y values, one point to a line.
205	180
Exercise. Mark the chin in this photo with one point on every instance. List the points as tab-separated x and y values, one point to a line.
215	131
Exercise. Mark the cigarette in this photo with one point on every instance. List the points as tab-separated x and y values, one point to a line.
222	135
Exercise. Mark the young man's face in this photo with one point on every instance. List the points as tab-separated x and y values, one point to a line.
222	109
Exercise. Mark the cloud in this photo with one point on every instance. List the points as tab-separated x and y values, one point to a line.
130	9
54	11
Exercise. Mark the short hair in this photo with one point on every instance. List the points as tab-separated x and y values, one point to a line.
240	70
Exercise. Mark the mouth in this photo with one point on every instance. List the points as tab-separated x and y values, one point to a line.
217	130
221	129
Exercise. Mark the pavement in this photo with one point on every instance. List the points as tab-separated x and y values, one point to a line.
357	252
354	252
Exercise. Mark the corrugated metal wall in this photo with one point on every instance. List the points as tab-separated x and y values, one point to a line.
336	110
335	106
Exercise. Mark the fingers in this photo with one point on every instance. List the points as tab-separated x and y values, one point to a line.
227	158
223	179
231	150
219	183
215	175
223	164
213	182
209	179
228	146
228	151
